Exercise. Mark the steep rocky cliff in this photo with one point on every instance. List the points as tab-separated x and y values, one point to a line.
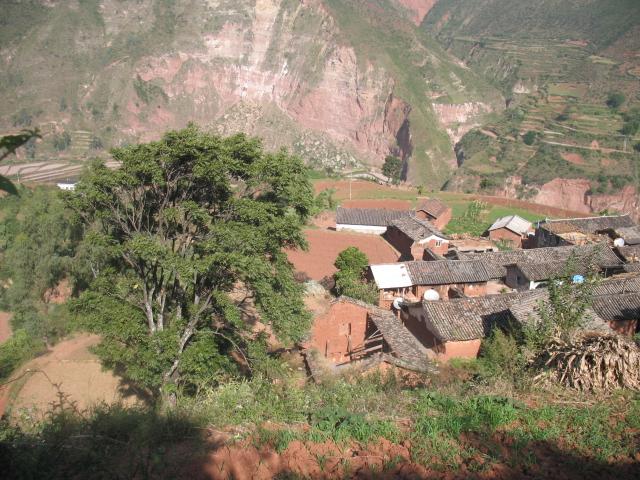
342	83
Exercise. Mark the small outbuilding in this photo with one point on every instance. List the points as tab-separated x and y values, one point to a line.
513	229
367	220
411	236
434	211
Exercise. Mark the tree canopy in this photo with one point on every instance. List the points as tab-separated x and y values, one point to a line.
172	236
350	277
392	169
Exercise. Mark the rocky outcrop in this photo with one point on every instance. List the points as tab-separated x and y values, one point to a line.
419	8
460	118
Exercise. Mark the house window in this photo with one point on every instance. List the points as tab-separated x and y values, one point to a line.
438	243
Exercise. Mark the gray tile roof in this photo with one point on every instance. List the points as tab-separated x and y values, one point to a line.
630	253
618	307
587	225
417	229
473	318
625	283
402	343
433	207
632	267
496	262
536	272
445	272
369	216
528	311
631	235
514	223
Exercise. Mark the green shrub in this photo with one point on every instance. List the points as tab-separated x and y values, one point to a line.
501	356
17	349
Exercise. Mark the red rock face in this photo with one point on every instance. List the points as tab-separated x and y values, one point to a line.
420	8
353	104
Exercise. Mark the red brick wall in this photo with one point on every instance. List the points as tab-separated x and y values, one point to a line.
506	235
439	222
339	331
440	250
469	289
400	242
625	327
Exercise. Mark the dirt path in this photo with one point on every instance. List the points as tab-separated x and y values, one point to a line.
74	369
5	326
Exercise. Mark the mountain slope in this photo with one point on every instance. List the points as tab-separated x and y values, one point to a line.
557	62
344	83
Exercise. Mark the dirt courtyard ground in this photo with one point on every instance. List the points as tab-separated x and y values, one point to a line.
325	245
76	371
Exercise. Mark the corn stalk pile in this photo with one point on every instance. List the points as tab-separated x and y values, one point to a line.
595	362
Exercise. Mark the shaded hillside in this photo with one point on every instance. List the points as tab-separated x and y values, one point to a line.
344	83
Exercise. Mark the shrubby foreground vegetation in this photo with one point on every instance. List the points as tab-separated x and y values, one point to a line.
159	257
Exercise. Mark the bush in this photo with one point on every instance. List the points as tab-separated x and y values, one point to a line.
17	349
501	356
529	138
615	100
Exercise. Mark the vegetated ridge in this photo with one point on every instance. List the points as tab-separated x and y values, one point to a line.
570	72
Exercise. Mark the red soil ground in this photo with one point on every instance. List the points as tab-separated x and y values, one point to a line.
325	245
388	203
5	326
76	371
574	158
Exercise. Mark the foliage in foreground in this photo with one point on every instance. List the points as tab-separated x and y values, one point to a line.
447	428
171	236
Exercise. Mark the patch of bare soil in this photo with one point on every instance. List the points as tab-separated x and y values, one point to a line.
574	158
387	203
70	369
497	458
5	326
325	245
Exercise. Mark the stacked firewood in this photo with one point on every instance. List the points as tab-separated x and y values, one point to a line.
595	363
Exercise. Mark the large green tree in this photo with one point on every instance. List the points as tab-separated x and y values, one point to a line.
392	169
172	235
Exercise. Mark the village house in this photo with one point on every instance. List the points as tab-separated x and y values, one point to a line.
411	236
442	279
579	231
434	211
513	230
367	220
505	267
455	329
353	333
622	312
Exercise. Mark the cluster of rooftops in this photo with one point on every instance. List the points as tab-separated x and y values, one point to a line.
447	296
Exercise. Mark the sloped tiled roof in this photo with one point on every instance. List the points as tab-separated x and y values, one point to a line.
587	225
433	207
402	342
544	271
378	217
625	283
417	229
618	307
528	311
445	272
631	235
496	262
473	318
514	223
630	253
632	267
